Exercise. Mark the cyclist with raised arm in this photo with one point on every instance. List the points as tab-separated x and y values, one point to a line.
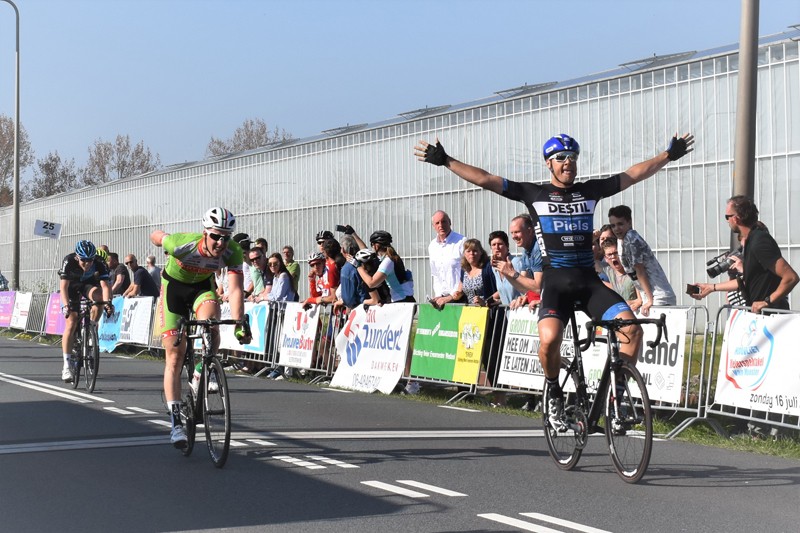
82	273
187	286
563	215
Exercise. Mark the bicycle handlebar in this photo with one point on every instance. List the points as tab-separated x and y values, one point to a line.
211	322
618	323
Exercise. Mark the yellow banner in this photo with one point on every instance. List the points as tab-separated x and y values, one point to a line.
471	334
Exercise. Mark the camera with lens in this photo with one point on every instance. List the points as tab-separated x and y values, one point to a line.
722	263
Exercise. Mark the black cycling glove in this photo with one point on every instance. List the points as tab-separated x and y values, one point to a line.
676	148
436	155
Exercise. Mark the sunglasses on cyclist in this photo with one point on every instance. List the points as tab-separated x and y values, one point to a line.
563	156
218	237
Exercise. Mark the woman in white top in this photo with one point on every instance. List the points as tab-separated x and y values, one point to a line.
392	270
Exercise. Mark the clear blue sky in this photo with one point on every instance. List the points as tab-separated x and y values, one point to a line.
172	73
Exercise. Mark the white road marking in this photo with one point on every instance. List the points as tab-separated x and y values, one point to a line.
143	411
395	489
262	442
565	523
238	444
516	522
118	410
431	488
334	462
298	462
76	396
165	423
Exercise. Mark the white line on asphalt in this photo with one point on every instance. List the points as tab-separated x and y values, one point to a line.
395	489
262	442
298	462
516	522
237	444
118	410
431	488
83	444
164	423
334	462
76	396
565	523
143	411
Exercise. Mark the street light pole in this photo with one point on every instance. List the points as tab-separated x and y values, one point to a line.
15	209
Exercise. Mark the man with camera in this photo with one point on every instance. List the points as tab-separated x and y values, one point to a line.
767	278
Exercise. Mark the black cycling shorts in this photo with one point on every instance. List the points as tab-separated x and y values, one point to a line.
77	289
565	289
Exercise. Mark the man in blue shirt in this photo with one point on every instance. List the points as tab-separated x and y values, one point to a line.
524	272
354	291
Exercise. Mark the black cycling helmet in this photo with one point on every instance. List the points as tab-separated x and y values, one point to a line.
85	250
384	238
323	235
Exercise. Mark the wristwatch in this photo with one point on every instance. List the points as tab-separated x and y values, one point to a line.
515	276
768	300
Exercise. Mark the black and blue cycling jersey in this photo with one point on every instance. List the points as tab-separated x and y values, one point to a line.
563	218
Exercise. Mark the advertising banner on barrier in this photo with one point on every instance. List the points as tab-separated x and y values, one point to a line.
55	321
22	304
136	316
759	367
519	360
6	308
298	335
661	366
372	348
109	327
449	343
258	313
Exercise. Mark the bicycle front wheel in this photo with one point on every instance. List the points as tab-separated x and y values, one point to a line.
629	423
91	357
216	411
76	359
566	443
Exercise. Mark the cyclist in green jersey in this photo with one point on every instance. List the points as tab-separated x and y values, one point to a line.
187	286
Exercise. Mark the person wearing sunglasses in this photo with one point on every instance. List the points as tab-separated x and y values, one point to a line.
82	273
563	215
142	283
282	290
187	286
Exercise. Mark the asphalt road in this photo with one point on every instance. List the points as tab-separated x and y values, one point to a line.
306	458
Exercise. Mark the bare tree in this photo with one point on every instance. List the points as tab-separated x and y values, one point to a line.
109	162
53	176
7	157
253	133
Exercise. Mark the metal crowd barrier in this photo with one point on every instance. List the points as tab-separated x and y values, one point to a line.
325	359
752	416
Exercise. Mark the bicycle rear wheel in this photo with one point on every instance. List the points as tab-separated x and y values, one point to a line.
566	444
91	357
629	424
188	413
216	411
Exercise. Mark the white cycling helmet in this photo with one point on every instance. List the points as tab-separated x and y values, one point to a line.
219	218
365	255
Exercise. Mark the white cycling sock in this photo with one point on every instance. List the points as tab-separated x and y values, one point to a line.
66	358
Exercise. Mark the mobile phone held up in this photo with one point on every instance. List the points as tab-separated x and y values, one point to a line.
340	228
692	289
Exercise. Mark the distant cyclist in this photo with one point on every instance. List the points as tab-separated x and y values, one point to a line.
563	215
82	273
187	286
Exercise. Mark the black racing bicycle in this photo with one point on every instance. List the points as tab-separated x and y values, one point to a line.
620	405
85	348
210	402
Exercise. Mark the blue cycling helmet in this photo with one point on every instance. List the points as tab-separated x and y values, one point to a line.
560	143
85	250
